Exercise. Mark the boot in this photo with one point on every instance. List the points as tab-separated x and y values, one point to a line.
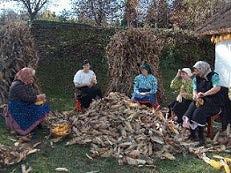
193	135
201	137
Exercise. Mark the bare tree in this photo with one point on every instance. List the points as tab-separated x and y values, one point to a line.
163	13
152	14
100	11
131	12
189	14
179	16
32	6
8	15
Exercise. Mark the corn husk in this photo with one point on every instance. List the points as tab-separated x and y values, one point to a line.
134	135
15	154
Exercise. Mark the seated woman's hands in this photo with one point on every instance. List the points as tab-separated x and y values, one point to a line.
93	82
41	97
144	93
200	95
179	98
195	96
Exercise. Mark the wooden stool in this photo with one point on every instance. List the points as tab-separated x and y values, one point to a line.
210	125
78	105
77	101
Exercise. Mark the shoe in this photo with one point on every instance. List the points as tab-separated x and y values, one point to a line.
201	137
193	135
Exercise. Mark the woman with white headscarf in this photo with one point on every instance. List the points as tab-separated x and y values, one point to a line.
182	83
207	100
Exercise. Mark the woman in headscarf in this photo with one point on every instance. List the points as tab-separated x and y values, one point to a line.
182	84
24	110
207	98
145	86
85	81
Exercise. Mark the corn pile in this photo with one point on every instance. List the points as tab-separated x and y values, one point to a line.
15	154
135	135
220	162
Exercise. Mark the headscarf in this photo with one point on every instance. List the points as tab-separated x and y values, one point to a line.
26	75
146	67
203	67
188	71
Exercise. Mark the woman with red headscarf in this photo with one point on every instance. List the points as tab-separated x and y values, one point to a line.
24	113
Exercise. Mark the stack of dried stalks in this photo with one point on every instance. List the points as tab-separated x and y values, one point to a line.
17	50
136	135
126	50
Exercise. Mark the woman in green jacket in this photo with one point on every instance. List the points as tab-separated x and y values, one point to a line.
182	84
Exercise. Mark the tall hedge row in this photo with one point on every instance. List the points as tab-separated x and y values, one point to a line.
63	46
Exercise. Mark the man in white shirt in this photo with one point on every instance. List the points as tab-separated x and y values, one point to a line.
85	81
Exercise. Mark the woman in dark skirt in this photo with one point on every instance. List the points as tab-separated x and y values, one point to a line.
24	114
207	97
182	83
85	81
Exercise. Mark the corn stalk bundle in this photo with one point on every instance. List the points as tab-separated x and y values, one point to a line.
128	49
17	50
135	135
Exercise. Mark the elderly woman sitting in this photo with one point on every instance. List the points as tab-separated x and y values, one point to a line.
145	87
207	97
24	110
182	83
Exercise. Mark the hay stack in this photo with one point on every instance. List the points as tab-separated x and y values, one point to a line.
17	50
128	49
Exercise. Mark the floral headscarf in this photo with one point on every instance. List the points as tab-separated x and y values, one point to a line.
26	75
203	67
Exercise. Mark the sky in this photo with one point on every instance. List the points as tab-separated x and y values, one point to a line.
56	6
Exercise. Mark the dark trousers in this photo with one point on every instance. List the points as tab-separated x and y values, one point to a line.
226	114
179	109
88	94
201	114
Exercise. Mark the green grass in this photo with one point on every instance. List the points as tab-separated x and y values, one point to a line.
74	158
61	104
56	74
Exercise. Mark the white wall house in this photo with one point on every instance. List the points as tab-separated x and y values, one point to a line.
223	62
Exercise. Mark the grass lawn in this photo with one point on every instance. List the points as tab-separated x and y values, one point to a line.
74	157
